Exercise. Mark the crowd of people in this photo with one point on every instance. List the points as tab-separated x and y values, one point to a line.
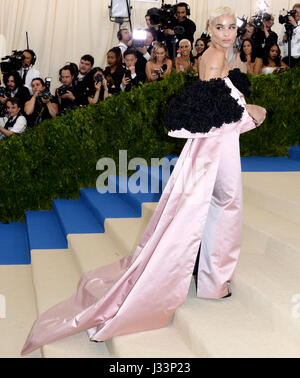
26	99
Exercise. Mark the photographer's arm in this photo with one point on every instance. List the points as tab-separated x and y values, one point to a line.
95	99
5	132
150	75
29	105
52	107
169	68
3	99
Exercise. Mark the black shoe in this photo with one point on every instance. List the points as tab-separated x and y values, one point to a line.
227	296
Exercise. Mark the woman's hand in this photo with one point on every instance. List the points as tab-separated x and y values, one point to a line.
98	86
3	99
125	81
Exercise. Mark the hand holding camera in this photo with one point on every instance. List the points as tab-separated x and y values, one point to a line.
65	92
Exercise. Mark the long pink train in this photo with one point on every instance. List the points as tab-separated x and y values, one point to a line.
202	201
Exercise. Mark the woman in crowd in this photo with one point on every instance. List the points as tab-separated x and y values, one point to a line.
14	122
159	65
200	46
247	54
15	89
42	104
271	62
97	86
114	71
185	61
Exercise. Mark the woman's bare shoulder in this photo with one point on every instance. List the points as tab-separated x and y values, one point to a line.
212	62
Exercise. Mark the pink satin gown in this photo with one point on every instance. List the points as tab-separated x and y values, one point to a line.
202	201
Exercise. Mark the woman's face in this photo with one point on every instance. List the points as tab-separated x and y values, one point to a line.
223	31
11	85
160	54
273	54
111	59
12	109
199	46
185	48
37	86
247	48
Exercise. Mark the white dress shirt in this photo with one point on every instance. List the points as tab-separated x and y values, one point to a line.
295	42
18	128
31	74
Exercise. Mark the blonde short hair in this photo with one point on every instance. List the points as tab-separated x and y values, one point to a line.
220	11
186	41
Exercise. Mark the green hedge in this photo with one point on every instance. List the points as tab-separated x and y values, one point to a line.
58	157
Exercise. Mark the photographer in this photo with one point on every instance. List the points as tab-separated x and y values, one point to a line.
181	28
97	86
124	38
85	67
14	122
42	104
143	53
132	76
27	71
294	21
264	35
65	95
14	88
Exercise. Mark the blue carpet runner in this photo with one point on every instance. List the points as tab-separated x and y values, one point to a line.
49	229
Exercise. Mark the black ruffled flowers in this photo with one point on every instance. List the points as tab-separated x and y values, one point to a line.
203	105
240	81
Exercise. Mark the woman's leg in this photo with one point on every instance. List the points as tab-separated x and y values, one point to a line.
220	246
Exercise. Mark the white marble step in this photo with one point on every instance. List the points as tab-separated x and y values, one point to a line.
269	290
277	192
226	328
17	310
267	233
55	277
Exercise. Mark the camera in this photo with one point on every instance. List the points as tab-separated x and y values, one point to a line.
12	62
139	38
284	18
63	90
164	16
4	92
45	94
259	18
99	78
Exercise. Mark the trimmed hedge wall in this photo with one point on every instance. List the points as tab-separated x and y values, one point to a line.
58	157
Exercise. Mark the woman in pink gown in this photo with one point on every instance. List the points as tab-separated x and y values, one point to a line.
202	201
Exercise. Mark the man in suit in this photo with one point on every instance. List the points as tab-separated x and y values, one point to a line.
132	74
27	71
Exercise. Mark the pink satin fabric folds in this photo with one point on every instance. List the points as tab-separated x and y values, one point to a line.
202	202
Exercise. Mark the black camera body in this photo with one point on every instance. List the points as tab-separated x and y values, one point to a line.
259	18
138	43
164	16
285	19
12	62
99	78
4	92
63	90
45	94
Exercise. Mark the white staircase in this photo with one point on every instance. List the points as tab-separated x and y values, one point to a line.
259	320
